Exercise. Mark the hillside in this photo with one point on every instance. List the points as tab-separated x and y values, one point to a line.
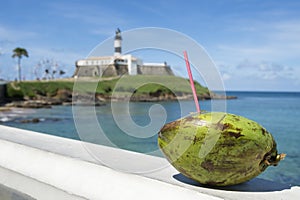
135	88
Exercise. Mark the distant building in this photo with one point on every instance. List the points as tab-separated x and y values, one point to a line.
119	64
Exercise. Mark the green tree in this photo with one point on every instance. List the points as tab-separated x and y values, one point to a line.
19	53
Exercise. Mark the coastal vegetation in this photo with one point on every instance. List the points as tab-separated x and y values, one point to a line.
149	85
135	88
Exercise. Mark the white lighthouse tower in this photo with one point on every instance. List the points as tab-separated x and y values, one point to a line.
117	43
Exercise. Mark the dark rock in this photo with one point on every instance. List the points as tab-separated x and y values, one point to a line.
34	120
64	95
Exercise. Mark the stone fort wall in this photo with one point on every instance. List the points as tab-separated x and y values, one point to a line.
155	70
113	70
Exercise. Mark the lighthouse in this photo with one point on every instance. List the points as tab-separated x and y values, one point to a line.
118	64
117	43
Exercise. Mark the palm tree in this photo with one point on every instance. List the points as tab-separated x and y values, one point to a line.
19	53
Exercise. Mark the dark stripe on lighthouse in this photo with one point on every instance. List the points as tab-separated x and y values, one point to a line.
118	49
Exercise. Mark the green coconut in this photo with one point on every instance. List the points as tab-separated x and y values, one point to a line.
218	149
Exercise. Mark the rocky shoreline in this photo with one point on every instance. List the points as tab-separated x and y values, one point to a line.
67	98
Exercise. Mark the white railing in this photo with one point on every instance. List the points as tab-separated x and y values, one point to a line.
49	167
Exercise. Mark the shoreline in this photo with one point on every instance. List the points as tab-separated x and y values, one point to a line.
142	88
100	99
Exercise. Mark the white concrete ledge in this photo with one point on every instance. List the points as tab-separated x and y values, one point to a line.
49	167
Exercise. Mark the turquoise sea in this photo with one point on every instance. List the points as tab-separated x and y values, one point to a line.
278	112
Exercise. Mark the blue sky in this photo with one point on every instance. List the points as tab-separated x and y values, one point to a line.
255	44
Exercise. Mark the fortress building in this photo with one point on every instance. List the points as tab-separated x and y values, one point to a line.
119	64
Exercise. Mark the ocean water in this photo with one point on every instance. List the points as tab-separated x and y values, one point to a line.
133	126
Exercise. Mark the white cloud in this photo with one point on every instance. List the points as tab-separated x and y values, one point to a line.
65	58
226	76
265	70
11	38
262	75
8	35
98	19
277	41
266	53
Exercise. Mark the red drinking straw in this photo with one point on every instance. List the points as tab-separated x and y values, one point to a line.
191	81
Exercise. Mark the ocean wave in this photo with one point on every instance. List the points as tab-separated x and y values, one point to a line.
22	111
5	119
